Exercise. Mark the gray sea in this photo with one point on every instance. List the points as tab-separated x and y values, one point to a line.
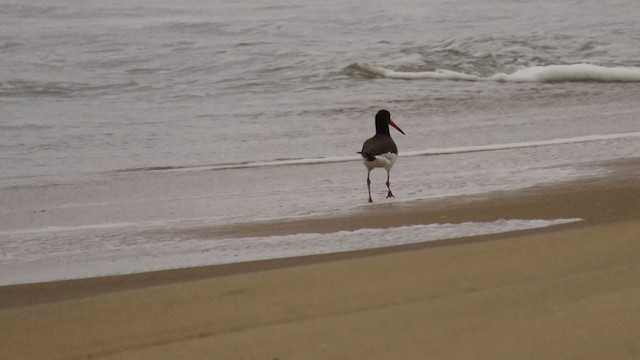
120	119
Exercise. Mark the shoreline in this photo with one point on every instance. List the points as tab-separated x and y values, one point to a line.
613	197
568	291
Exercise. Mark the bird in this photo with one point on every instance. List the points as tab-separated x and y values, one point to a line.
380	150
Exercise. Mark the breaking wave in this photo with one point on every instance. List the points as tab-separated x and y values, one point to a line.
547	74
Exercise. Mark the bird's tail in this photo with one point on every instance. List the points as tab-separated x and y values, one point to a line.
367	156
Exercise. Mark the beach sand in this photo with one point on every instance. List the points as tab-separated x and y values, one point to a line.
565	292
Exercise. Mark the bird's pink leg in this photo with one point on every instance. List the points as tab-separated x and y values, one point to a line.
369	185
389	194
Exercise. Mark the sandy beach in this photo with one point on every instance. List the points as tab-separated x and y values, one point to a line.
564	292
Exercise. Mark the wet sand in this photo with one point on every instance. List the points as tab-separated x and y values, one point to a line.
565	292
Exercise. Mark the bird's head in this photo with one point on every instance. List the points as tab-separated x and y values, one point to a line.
383	120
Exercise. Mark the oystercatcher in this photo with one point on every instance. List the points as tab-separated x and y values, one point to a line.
380	150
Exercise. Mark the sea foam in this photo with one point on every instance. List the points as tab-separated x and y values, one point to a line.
101	255
440	74
576	72
549	73
424	152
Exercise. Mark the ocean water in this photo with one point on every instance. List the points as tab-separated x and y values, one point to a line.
123	116
94	256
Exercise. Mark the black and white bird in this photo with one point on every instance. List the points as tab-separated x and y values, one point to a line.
380	150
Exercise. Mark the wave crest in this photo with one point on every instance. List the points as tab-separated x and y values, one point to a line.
549	73
440	74
27	88
575	72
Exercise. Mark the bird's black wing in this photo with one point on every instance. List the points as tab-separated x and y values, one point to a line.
378	145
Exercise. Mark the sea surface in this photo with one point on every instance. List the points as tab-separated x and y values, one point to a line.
120	117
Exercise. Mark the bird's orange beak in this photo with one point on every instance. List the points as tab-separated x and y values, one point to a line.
395	126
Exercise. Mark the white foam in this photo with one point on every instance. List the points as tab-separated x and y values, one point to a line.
575	72
519	145
441	151
282	162
413	75
549	73
87	227
50	259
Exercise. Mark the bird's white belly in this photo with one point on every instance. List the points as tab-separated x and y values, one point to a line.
385	160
